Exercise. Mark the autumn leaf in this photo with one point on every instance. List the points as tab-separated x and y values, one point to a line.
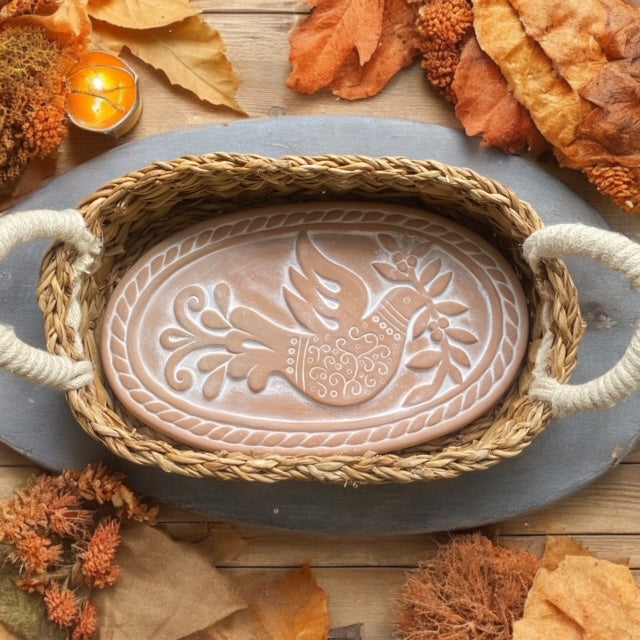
485	106
326	39
190	53
395	51
141	14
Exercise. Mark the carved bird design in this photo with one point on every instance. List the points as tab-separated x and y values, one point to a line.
347	352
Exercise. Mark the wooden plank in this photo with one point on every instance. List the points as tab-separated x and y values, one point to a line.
252	6
610	505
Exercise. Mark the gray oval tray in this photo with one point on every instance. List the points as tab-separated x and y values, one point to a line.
570	454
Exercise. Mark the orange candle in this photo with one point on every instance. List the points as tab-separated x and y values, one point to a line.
102	94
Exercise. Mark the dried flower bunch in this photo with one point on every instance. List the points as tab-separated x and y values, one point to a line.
470	590
32	87
64	533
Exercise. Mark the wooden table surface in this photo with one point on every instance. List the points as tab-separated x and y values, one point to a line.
362	575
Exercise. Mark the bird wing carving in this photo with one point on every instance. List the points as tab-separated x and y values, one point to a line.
328	294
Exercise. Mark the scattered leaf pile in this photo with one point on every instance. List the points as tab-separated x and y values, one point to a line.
61	534
522	74
529	71
471	589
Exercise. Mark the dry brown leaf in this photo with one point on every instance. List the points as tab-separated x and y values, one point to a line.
166	589
569	33
556	549
395	51
141	14
326	39
486	107
190	53
292	607
585	597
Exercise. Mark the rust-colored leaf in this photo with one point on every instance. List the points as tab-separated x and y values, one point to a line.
395	51
190	53
486	107
141	14
326	39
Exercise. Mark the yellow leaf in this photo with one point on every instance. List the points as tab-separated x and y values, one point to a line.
190	53
141	14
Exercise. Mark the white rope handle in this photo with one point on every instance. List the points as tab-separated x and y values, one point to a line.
16	356
619	253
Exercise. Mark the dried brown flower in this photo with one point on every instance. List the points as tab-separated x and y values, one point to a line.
87	623
35	554
97	561
32	115
443	27
62	605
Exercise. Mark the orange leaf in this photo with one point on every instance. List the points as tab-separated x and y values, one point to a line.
395	51
190	53
486	107
141	14
293	608
324	41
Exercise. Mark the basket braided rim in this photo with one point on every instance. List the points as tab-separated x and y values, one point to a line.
135	211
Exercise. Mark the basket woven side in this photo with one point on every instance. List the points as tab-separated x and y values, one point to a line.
135	212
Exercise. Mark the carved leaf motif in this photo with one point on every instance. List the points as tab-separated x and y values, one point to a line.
174	338
390	272
390	243
459	356
222	296
455	373
421	394
421	324
440	284
214	320
421	250
425	360
461	335
212	361
431	271
451	307
213	384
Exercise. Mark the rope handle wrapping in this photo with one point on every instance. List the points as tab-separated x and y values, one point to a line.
618	253
17	357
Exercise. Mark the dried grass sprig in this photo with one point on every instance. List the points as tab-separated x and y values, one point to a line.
470	590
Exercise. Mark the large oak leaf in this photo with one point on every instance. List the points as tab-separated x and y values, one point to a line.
190	53
326	39
141	14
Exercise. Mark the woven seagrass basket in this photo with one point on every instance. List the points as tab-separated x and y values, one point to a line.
133	213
